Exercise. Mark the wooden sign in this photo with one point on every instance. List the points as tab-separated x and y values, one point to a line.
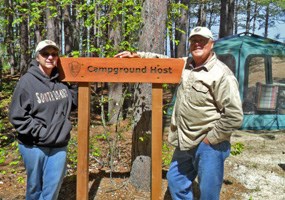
144	70
87	70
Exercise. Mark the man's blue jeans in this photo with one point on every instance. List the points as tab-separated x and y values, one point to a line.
206	162
45	168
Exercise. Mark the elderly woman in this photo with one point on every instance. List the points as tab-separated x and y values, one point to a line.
39	111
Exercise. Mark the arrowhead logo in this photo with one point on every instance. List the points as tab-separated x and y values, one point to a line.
74	68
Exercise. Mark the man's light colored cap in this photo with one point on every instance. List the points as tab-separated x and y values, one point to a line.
203	31
46	43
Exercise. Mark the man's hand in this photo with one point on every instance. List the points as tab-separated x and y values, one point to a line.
206	141
127	54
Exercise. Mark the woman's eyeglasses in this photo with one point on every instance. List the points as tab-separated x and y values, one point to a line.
47	54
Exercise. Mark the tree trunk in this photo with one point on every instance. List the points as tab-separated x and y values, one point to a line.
223	18
51	34
68	30
266	21
231	17
254	17
10	38
202	14
182	24
116	99
226	18
24	42
115	102
236	17
248	11
151	39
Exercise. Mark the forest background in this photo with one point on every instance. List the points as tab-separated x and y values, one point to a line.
102	28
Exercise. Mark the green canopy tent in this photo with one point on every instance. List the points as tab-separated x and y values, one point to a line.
259	65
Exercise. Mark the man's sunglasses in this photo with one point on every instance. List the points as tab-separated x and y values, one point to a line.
47	54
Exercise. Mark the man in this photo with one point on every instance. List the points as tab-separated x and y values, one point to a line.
206	112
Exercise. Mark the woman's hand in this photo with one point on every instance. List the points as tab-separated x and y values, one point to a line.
127	54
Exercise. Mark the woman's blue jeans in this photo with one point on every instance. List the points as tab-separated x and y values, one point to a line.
206	162
45	168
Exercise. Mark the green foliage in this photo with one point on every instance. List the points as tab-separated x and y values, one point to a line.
5	96
111	17
174	13
9	149
72	153
167	151
237	148
21	179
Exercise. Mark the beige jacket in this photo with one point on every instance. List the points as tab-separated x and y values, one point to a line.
207	104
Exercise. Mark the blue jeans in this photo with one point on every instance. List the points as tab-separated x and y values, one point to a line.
45	168
204	161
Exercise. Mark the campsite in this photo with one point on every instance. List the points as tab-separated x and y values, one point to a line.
254	171
125	105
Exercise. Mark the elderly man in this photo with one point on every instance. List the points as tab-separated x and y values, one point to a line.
206	112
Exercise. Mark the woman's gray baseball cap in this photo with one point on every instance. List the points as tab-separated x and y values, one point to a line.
46	43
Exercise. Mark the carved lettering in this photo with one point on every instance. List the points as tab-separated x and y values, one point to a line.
129	70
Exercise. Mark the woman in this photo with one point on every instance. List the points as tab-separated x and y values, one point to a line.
39	111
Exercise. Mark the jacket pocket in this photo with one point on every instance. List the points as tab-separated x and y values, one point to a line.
199	93
58	133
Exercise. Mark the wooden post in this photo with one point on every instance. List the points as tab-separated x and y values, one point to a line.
82	188
156	142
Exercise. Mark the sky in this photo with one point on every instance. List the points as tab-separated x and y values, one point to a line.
272	32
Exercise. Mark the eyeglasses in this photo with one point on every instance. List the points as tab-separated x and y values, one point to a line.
199	41
47	54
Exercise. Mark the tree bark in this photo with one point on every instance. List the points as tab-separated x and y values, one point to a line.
202	14
10	37
266	21
24	42
182	24
115	103
68	30
248	11
152	40
51	34
226	18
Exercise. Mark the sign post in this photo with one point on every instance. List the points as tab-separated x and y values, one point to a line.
132	70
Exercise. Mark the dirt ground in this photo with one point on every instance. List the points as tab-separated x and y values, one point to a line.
257	173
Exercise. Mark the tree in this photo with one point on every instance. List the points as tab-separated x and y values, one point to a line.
202	14
50	21
181	29
8	35
152	40
67	30
24	40
226	18
248	11
115	103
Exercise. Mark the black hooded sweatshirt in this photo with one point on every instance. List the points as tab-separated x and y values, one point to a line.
40	108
